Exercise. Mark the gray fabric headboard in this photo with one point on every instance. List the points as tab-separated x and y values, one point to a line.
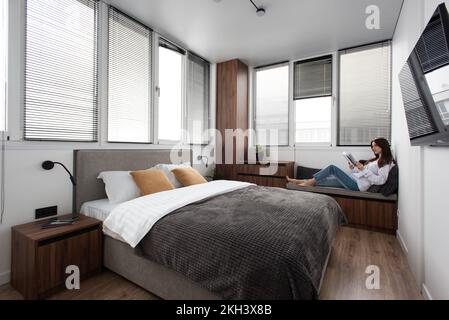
87	164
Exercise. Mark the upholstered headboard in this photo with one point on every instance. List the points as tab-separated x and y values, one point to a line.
87	164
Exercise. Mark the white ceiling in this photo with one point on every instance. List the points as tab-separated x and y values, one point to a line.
291	29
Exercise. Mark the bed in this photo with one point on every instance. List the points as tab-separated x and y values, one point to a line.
231	240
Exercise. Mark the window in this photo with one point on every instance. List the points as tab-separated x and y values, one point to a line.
197	99
61	70
365	86
170	92
437	81
443	107
313	100
129	79
271	98
3	59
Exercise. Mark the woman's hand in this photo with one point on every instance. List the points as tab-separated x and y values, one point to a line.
360	166
351	166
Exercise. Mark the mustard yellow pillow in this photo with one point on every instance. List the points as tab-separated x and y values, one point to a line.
188	176
151	181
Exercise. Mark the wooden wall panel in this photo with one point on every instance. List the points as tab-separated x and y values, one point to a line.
370	214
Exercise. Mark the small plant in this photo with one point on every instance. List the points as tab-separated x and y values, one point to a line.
218	175
259	152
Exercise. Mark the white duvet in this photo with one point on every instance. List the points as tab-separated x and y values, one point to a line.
131	220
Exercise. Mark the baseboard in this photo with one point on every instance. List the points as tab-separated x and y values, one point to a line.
402	242
426	292
5	277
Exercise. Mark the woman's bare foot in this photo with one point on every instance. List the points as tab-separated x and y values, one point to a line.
309	183
295	181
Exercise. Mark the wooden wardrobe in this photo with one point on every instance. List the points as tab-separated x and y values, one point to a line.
232	103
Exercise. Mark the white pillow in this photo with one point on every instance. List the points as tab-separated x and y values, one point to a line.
167	168
119	186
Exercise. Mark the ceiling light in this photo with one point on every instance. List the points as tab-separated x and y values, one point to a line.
259	10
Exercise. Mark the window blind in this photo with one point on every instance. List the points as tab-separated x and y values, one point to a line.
365	87
271	112
61	70
432	47
129	93
313	78
198	76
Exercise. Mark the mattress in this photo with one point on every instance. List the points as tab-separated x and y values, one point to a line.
98	209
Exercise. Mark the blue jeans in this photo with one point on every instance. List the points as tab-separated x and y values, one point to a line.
333	176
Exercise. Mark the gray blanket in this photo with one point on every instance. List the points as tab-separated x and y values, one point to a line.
253	243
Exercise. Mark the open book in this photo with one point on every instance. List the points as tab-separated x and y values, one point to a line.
350	158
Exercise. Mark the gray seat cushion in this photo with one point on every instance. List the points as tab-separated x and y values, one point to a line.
305	172
390	186
384	192
343	192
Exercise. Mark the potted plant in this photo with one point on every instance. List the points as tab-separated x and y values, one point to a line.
259	152
218	175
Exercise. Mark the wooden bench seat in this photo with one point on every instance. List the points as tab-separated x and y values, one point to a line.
365	210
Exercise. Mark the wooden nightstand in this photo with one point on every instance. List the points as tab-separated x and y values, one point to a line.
40	256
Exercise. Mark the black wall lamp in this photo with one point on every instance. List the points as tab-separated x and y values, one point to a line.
202	157
48	165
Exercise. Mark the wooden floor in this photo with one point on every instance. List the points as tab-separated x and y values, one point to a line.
353	251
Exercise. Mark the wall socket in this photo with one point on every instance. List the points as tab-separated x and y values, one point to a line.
46	212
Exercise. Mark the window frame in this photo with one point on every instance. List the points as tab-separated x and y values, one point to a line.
254	97
332	96
158	39
5	21
339	52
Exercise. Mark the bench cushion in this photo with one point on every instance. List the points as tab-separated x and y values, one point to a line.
343	192
390	186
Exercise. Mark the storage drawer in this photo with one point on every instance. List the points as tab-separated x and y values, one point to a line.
82	250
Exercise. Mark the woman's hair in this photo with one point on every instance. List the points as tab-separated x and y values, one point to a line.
387	156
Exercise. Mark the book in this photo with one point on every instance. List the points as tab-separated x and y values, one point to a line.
67	219
54	224
350	158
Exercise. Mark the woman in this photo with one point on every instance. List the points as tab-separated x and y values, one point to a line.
374	171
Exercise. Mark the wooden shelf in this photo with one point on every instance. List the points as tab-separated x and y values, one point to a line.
252	173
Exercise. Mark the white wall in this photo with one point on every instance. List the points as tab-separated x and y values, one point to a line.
423	219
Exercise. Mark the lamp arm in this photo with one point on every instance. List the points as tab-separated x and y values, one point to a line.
67	170
257	8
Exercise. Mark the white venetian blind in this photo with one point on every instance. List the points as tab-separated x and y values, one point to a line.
365	88
129	79
313	78
197	99
61	70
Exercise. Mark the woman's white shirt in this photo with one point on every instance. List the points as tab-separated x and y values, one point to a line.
371	174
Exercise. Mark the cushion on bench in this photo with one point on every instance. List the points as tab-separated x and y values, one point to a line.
390	187
343	192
